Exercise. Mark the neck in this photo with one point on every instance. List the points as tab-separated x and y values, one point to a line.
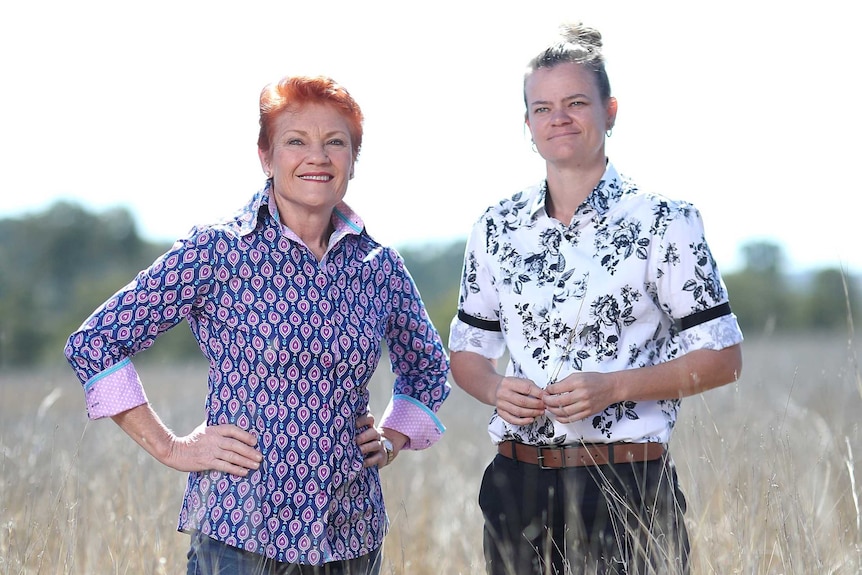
569	187
314	229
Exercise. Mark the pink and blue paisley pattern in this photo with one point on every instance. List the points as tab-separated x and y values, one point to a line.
292	344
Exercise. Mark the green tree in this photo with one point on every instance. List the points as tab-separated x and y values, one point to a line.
830	300
759	294
57	266
436	269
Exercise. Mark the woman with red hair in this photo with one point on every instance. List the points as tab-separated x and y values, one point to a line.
290	300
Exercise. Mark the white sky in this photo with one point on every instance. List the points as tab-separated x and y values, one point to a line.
748	109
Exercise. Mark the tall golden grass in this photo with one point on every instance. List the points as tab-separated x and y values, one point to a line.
770	467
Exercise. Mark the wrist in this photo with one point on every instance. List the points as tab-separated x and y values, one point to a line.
492	400
388	449
617	386
396	441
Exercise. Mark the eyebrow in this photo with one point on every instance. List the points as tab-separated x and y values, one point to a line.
566	99
305	132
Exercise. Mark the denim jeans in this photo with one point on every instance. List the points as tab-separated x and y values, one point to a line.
210	557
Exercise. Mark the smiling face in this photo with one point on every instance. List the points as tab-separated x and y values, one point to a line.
310	160
567	116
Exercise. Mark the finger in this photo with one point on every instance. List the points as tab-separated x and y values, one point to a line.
564	386
227	462
234	459
564	410
519	415
375	457
243	455
234	432
569	413
232	469
514	419
231	447
368	440
557	400
522	411
365	420
370	434
369	447
522	387
521	403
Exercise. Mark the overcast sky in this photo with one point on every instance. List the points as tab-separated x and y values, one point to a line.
750	110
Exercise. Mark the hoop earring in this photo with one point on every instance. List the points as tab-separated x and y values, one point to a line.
533	146
609	132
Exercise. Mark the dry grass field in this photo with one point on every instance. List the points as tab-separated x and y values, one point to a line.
769	465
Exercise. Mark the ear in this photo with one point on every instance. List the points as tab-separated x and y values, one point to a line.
612	112
264	162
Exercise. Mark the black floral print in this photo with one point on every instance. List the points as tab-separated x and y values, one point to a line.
602	293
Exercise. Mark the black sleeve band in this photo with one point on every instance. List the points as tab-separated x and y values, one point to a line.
485	324
704	316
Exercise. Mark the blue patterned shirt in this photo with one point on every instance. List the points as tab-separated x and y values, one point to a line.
292	344
629	282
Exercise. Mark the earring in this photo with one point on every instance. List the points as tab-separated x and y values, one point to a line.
608	132
533	145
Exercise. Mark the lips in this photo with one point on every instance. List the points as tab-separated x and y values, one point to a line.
562	135
316	177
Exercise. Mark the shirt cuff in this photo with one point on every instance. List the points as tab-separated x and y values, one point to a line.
465	337
413	419
716	334
114	390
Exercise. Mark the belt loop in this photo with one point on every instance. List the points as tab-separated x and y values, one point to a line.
514	455
610	448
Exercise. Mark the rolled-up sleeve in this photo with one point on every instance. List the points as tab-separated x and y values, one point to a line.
691	289
114	391
419	362
477	326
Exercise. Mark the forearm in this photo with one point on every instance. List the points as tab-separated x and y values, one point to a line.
693	373
475	374
143	425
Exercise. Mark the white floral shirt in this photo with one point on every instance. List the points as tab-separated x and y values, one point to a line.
630	282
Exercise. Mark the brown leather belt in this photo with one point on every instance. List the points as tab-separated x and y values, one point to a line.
553	457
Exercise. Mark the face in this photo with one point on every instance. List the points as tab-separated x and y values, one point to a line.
566	115
310	159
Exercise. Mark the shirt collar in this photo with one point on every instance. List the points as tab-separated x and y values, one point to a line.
604	195
344	220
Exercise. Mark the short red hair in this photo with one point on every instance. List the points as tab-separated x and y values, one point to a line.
292	92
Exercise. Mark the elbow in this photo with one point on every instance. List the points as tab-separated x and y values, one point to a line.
457	367
733	362
463	365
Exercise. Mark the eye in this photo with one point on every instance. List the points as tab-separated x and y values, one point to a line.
336	142
540	109
576	103
294	142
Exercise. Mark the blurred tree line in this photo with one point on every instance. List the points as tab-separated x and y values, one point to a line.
57	266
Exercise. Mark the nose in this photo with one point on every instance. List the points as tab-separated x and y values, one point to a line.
559	117
317	154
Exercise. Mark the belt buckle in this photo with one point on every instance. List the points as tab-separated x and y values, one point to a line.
540	456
